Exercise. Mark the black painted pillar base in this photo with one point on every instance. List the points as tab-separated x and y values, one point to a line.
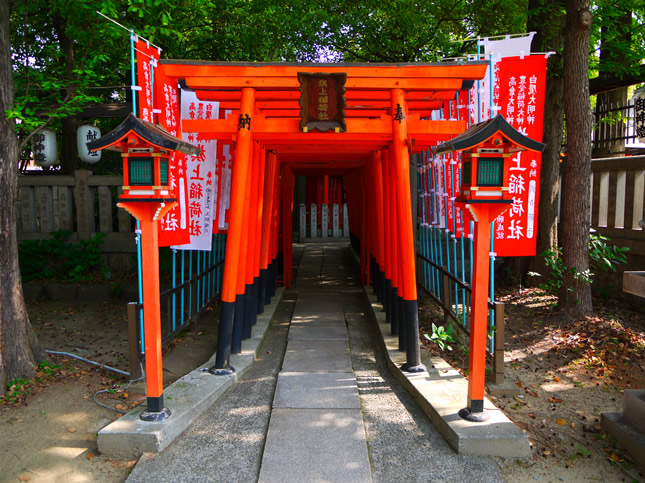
238	324
155	411
256	299
475	411
262	290
394	310
249	310
381	286
403	324
270	284
387	301
412	345
225	337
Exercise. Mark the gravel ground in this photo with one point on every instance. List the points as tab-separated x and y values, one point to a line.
226	442
403	444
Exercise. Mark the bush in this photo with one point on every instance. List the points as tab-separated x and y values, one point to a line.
56	258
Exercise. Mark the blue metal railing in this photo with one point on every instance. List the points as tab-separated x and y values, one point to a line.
195	282
445	246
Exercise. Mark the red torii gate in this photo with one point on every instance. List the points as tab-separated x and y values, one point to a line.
387	113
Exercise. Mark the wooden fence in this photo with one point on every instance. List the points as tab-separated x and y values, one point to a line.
618	200
83	204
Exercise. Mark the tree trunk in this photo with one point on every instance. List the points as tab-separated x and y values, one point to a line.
575	295
69	125
549	26
17	339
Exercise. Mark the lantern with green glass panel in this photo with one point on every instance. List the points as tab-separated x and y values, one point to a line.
146	150
486	152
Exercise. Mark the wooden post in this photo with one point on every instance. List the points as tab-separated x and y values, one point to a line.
84	205
498	355
133	342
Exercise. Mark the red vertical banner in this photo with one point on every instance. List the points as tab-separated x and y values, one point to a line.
519	86
173	227
147	57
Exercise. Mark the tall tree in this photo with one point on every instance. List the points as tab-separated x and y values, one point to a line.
547	19
615	60
18	345
575	295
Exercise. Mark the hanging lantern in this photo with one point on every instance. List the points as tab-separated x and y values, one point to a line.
44	148
639	114
84	135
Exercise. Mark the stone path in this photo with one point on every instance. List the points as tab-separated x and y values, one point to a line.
319	404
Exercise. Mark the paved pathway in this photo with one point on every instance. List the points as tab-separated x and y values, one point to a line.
319	404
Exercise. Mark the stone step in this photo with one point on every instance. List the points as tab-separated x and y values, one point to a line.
626	434
634	407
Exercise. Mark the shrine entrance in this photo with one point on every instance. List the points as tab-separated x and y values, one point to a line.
355	122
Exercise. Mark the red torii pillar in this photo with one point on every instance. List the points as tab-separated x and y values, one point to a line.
400	158
267	227
241	175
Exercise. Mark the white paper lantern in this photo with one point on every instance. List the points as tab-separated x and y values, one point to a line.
84	135
44	148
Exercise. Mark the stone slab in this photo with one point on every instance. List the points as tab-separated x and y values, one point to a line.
317	356
634	283
441	392
338	436
318	307
317	332
634	407
626	434
187	398
303	390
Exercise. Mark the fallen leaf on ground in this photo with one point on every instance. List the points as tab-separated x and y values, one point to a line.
561	422
89	455
71	430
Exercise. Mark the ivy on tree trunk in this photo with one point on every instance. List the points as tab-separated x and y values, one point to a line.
575	294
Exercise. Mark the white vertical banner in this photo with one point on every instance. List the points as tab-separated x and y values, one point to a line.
303	221
225	187
314	220
201	174
324	220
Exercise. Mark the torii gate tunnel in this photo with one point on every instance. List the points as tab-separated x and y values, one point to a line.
275	137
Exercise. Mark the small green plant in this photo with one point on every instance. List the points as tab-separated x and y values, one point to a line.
441	336
16	389
49	368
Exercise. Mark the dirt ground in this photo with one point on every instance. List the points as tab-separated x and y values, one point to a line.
565	374
49	424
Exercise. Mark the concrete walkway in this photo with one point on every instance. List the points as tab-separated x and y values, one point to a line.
319	403
316	431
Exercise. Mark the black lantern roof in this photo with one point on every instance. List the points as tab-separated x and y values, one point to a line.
479	133
151	133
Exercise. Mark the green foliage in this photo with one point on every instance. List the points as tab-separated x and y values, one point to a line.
602	256
59	259
441	336
17	389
